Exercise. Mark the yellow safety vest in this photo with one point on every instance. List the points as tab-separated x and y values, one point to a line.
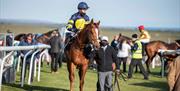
137	54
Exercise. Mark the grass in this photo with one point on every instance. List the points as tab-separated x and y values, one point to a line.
60	82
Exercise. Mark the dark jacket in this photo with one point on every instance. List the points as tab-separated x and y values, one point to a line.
9	41
25	43
105	59
75	17
55	43
114	44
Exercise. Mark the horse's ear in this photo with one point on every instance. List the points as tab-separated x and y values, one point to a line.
98	23
92	21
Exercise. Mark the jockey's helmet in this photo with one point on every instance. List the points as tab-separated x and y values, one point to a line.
141	27
83	5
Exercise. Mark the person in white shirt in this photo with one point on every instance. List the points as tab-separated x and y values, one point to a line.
123	53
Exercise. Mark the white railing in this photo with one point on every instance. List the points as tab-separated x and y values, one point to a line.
16	48
31	64
164	53
2	65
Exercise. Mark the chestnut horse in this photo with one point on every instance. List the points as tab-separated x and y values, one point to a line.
153	47
75	54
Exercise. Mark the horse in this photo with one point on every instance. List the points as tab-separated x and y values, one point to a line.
152	49
75	54
45	37
123	37
20	37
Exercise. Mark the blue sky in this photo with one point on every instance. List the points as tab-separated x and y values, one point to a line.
113	13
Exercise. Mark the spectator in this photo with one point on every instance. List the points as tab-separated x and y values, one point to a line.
55	43
28	41
115	42
9	74
9	38
123	52
136	57
106	59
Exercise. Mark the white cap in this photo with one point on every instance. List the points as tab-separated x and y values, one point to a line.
104	38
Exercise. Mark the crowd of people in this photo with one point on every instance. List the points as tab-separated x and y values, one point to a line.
108	57
29	40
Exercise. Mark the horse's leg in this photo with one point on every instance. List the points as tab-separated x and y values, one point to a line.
150	55
147	64
71	69
82	72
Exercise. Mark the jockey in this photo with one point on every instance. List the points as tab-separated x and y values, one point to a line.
144	36
77	21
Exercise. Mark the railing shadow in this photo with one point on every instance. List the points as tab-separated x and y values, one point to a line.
32	88
162	86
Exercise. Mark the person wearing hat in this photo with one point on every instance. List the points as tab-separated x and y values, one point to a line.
9	38
77	21
144	35
106	59
136	57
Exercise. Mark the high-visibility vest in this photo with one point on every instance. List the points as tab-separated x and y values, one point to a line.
137	54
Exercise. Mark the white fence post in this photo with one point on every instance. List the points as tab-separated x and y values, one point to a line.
15	48
31	63
23	68
2	65
18	63
153	63
39	65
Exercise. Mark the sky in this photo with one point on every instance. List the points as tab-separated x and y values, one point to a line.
111	13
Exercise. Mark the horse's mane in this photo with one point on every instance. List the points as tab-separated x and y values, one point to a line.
87	35
19	36
126	37
49	32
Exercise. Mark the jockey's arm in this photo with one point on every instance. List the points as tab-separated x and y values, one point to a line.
69	26
71	22
142	36
145	35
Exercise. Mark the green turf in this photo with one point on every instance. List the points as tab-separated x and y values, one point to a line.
60	82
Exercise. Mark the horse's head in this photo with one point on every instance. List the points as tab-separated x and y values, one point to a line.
51	33
20	37
44	38
127	39
92	33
